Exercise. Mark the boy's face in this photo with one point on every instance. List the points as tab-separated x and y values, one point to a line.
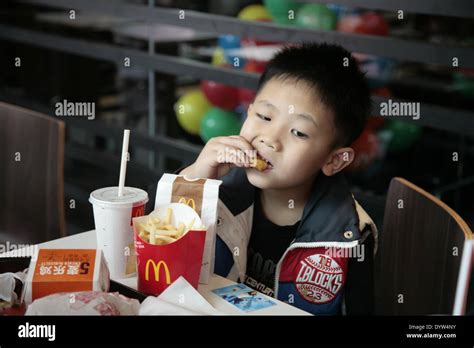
291	129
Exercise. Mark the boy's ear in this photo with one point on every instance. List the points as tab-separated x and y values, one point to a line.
338	160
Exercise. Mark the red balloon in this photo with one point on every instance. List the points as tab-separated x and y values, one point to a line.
348	24
375	122
382	92
373	24
255	66
369	23
247	41
366	148
246	96
222	96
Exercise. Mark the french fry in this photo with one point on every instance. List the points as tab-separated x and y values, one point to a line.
169	233
160	231
169	211
165	239
180	232
152	238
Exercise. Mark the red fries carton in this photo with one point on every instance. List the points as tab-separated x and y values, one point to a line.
169	243
203	196
65	270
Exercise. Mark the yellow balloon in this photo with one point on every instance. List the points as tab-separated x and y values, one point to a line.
190	110
218	57
254	13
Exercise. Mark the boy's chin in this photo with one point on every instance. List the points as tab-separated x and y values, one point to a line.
260	180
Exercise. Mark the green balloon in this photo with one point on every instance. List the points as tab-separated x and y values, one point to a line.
464	85
403	135
218	122
190	110
280	10
316	16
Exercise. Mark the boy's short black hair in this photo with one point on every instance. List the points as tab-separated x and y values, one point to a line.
335	74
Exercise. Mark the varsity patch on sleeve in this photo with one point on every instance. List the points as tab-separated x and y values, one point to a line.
318	277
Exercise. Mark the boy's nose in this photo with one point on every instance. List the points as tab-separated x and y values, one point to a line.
273	144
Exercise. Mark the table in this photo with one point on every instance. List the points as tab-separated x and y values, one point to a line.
87	240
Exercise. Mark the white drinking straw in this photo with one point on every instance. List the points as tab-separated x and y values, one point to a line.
123	162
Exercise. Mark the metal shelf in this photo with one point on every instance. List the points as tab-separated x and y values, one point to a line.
408	50
453	8
454	120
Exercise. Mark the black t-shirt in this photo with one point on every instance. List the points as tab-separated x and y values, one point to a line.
267	244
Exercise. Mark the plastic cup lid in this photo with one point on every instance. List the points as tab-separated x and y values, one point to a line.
108	196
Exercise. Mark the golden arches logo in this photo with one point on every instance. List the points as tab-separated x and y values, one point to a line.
157	268
138	211
189	202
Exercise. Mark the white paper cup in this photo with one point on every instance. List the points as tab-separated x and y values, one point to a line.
113	226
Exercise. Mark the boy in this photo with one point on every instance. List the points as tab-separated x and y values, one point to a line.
292	230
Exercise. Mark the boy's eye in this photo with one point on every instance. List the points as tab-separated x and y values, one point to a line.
263	117
298	134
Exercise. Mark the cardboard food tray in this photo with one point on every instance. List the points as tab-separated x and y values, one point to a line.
18	264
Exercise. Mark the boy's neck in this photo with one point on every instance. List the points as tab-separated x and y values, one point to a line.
285	206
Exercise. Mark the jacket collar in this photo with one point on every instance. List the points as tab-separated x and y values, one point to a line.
328	214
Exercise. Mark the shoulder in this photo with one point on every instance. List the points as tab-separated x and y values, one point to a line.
332	214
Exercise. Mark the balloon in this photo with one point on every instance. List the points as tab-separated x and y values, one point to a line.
256	66
246	96
366	149
254	12
218	57
249	42
375	122
348	24
378	70
228	41
223	96
190	110
218	122
369	23
280	10
342	11
241	113
316	16
235	61
402	135
463	82
373	24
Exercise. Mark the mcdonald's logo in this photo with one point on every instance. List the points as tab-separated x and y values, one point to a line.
189	202
137	211
156	268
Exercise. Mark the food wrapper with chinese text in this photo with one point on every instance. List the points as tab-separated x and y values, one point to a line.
65	270
203	196
169	243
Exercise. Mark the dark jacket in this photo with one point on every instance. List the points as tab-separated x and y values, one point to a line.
319	272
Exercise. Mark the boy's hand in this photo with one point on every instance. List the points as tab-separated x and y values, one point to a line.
220	155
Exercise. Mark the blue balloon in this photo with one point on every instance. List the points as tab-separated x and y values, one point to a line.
228	41
342	11
241	112
378	70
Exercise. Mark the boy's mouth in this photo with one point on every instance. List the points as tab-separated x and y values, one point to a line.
269	165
